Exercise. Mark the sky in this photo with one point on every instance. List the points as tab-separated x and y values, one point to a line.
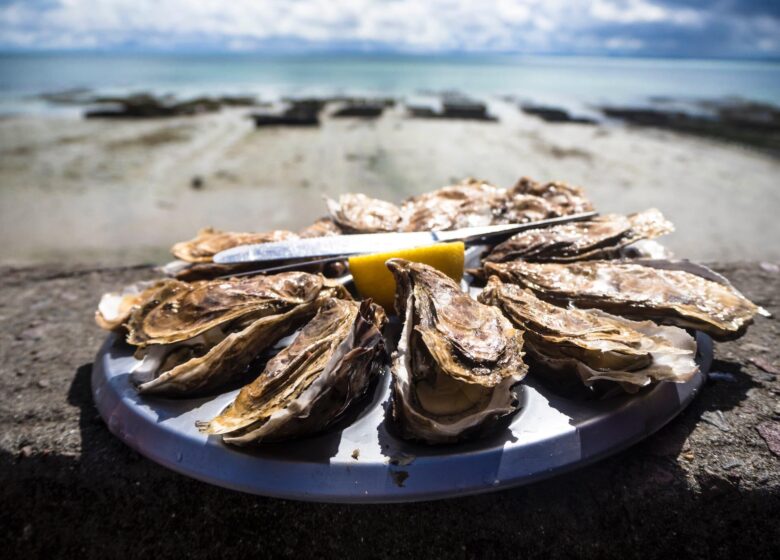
686	28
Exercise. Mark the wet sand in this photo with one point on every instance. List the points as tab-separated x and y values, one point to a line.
74	190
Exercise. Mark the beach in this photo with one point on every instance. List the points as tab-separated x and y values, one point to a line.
123	191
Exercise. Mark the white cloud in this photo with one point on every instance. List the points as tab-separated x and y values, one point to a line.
639	11
405	25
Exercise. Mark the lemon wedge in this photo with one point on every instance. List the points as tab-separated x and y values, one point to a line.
373	279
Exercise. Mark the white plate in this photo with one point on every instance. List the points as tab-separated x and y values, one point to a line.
550	434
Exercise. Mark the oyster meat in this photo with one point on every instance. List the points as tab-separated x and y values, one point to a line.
210	241
196	337
681	294
598	238
311	383
468	203
457	359
358	213
593	344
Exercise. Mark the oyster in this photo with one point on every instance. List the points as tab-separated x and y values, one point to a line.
598	238
115	308
566	199
468	203
324	227
192	272
210	241
478	203
523	208
312	382
680	294
358	213
593	344
197	337
457	360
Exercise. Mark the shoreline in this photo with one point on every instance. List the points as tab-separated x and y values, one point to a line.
77	190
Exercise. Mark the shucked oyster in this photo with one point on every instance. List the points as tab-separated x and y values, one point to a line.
457	359
196	337
195	257
680	294
598	238
593	344
311	383
358	213
115	308
210	241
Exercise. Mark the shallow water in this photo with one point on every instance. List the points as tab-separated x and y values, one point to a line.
570	81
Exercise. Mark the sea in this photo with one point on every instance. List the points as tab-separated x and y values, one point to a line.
577	83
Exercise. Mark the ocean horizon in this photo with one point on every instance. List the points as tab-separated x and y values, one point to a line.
575	82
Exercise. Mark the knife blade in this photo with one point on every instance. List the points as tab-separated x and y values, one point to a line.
362	243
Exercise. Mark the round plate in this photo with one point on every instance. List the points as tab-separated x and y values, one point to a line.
363	461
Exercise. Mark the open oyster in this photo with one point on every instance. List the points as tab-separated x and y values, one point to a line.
210	241
358	213
593	344
312	382
598	238
197	337
194	258
468	203
115	308
680	294
457	360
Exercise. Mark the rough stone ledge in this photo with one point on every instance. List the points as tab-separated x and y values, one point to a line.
705	486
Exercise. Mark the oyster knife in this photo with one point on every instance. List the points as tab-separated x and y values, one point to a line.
362	243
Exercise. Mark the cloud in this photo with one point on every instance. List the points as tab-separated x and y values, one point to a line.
667	27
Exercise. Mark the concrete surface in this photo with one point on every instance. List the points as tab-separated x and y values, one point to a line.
706	486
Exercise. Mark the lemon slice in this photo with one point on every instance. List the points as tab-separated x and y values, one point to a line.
375	281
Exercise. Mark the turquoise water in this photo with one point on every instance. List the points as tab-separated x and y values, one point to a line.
569	81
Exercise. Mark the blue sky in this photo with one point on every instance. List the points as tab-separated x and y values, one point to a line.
720	28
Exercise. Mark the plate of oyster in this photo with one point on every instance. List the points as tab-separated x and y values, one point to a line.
562	345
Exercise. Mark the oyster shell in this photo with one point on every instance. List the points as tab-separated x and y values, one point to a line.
192	272
115	308
566	199
597	238
468	203
524	208
673	293
181	311
593	344
478	203
210	241
358	213
216	357
324	227
457	360
311	383
197	337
